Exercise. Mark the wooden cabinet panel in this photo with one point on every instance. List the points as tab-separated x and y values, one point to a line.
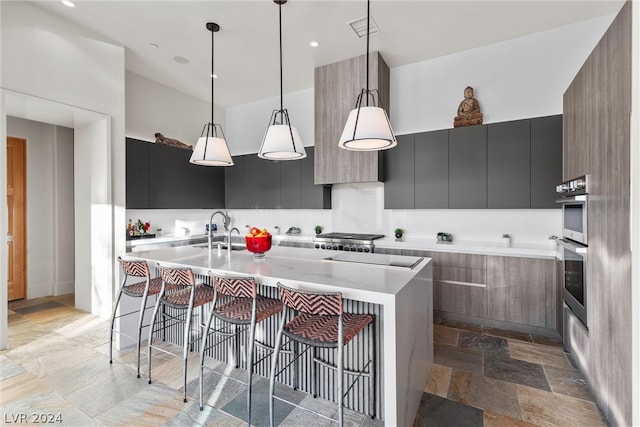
468	167
431	170
399	174
458	274
336	89
517	290
546	161
137	174
453	259
460	299
508	170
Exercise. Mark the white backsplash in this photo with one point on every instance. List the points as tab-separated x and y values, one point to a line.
359	208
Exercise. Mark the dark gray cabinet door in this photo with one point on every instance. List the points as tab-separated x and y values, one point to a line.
252	177
290	183
235	194
546	161
312	196
468	167
432	170
399	174
269	184
509	175
137	173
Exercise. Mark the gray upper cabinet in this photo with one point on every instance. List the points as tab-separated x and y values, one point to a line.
508	172
254	183
546	160
468	167
336	87
399	171
137	174
431	164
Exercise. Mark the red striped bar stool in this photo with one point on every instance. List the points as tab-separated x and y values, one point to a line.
181	304
140	289
319	322
237	307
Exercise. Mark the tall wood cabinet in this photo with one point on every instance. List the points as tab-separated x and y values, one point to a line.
336	87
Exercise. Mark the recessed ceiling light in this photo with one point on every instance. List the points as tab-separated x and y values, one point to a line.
68	3
154	45
181	59
314	43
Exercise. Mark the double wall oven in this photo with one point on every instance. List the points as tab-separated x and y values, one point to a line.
574	196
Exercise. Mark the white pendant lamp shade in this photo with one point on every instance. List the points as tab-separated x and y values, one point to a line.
282	142
367	129
211	150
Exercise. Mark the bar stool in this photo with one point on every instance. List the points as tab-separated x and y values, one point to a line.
143	289
319	322
236	303
188	296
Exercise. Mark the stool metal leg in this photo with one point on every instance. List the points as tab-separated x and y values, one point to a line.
185	349
205	337
274	368
296	365
113	321
143	306
340	379
372	369
252	336
314	372
151	328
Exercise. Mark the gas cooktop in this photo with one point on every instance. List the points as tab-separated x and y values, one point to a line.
354	242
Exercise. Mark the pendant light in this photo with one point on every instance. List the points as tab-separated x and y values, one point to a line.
211	148
368	127
281	140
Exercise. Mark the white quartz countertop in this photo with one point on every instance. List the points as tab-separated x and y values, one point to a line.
298	266
532	250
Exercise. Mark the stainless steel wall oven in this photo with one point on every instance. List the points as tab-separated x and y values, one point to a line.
574	199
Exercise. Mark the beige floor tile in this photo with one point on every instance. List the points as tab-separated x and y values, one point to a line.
445	335
492	419
439	379
569	382
540	354
550	409
20	387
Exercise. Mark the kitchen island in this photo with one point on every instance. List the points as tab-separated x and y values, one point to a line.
397	289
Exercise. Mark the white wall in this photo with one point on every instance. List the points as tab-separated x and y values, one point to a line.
46	60
152	107
50	249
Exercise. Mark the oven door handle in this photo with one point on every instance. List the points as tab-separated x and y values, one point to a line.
571	199
575	247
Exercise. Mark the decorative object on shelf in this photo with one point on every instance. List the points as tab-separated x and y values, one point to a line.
468	111
368	127
281	140
161	139
442	237
317	229
138	229
506	239
398	233
258	241
552	240
211	148
293	230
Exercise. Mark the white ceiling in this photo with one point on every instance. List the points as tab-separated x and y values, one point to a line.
246	48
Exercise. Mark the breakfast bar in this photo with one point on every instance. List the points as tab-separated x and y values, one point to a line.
396	289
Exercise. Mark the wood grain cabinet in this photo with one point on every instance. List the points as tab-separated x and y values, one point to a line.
522	290
336	87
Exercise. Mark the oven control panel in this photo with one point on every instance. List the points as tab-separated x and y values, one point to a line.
579	185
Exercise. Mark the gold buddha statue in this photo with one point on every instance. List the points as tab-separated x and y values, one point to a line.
468	111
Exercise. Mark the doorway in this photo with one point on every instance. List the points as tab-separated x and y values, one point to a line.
17	218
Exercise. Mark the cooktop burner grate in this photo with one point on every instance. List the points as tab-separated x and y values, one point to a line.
350	236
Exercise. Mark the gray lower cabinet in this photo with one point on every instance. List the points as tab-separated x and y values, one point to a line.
522	290
468	167
508	165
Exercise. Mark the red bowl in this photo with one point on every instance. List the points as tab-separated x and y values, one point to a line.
258	244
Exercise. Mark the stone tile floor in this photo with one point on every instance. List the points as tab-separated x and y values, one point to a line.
57	363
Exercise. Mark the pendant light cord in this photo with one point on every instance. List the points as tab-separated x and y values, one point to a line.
212	79
280	26
368	9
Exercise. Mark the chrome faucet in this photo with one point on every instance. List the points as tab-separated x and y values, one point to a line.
226	222
229	240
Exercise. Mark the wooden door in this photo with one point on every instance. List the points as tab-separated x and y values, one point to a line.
17	229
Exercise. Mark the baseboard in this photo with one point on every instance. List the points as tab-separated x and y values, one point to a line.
64	288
